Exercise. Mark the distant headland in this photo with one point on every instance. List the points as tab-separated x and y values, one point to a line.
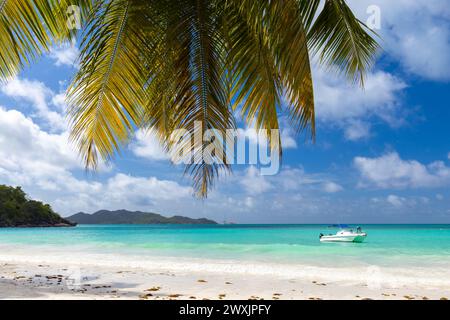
17	210
132	217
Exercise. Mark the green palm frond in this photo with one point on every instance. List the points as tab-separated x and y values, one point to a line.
171	64
343	41
292	59
257	84
106	96
308	10
30	27
202	104
163	49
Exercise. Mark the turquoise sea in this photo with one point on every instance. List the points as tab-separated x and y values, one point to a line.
385	246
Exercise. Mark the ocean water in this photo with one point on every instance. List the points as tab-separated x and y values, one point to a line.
395	246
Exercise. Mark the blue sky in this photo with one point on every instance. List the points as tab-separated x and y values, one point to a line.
382	154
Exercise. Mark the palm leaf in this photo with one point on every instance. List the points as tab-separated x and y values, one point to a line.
201	104
257	84
342	41
30	27
291	54
106	96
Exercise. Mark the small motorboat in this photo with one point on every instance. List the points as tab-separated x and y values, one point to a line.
345	235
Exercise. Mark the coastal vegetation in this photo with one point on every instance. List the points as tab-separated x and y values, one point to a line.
17	210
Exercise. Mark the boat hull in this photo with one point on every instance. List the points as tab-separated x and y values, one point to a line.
344	238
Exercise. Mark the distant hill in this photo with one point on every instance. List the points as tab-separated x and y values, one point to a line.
132	217
16	210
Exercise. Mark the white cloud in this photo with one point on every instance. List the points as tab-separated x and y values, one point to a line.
254	183
337	100
396	201
144	188
249	202
288	139
416	33
292	179
22	140
332	187
356	130
256	137
120	191
289	181
147	146
418	36
349	107
390	171
45	165
65	55
37	94
59	101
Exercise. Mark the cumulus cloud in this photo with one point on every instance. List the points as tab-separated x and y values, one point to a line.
256	137
338	100
396	201
332	187
357	130
147	146
290	181
254	183
65	55
44	164
120	191
21	140
38	95
342	104
390	171
416	33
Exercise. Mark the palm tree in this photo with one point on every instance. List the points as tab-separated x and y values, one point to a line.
166	64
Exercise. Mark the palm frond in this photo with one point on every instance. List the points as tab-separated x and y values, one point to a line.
342	41
201	104
257	84
30	27
106	96
308	10
292	59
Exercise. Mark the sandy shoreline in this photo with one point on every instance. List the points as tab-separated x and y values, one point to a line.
32	280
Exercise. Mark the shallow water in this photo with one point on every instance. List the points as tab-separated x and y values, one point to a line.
386	245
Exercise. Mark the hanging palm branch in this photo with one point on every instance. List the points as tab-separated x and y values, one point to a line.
187	64
30	27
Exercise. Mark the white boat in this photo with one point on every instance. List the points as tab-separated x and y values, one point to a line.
345	235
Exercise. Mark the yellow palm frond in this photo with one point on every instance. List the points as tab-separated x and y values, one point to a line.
30	27
202	103
171	64
342	41
107	95
257	84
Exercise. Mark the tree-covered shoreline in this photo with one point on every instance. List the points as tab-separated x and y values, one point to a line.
17	210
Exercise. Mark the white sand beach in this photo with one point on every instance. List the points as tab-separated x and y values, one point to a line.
58	277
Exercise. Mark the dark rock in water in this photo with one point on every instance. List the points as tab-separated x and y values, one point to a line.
132	217
16	210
